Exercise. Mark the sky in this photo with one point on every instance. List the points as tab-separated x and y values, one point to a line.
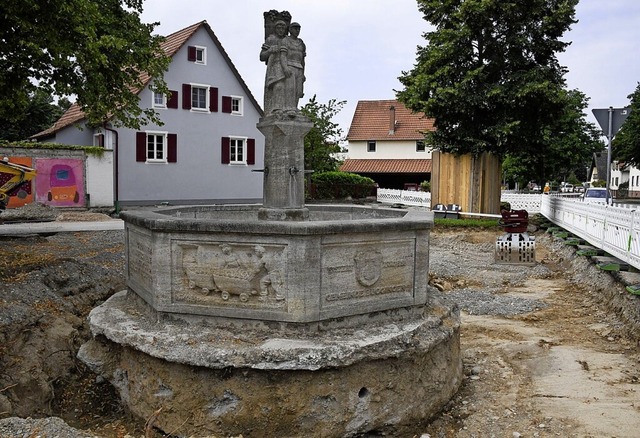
357	49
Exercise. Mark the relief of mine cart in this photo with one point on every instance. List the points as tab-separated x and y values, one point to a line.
236	281
222	271
199	277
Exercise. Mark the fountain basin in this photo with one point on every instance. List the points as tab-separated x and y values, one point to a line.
221	265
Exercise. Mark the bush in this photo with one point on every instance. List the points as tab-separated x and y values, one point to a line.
339	185
425	186
623	190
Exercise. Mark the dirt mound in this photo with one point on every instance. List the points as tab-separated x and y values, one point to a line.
47	287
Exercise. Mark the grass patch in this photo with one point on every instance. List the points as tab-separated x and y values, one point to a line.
466	223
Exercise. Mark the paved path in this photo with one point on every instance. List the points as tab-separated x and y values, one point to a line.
18	229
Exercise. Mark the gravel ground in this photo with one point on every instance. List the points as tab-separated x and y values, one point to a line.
514	317
43	427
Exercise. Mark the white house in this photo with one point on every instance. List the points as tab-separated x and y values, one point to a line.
386	143
207	148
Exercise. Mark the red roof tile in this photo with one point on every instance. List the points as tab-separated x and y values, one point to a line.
421	165
73	115
172	43
372	121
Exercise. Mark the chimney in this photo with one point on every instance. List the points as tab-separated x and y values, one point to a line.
392	120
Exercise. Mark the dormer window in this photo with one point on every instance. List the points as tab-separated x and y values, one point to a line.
197	54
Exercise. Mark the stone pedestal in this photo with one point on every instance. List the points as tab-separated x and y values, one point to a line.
234	325
207	381
284	166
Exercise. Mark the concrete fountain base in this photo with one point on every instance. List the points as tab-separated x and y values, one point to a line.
207	380
235	325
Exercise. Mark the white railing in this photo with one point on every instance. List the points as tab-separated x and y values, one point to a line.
529	202
522	201
614	229
405	197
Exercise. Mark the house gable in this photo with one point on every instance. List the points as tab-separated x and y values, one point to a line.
208	145
171	46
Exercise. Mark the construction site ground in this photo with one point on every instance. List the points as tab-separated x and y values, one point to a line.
548	350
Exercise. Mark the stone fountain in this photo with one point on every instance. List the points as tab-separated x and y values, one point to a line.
280	319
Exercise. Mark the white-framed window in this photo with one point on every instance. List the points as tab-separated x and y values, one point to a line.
156	147
159	100
236	105
420	146
237	150
371	146
199	97
201	55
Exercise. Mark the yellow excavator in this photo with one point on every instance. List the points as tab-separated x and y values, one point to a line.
12	177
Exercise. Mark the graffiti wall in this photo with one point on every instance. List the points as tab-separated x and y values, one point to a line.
59	182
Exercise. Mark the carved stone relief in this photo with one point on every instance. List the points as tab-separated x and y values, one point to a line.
367	270
230	274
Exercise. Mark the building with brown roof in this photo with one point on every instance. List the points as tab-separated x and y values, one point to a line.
387	144
208	145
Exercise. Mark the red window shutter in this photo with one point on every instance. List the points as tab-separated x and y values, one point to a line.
172	148
251	151
213	99
172	102
191	53
186	96
141	146
226	104
226	144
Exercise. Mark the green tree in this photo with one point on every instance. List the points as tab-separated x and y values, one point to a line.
96	50
626	143
323	141
41	112
569	143
489	73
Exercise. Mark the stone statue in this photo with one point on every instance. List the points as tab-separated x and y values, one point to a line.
295	51
274	84
284	55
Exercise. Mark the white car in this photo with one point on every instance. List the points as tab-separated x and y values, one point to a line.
597	195
567	188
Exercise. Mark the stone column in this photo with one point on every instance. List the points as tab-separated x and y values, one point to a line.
283	197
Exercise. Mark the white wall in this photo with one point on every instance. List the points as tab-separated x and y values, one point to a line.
634	178
398	149
99	179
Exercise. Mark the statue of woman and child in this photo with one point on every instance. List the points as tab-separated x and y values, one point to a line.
283	52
